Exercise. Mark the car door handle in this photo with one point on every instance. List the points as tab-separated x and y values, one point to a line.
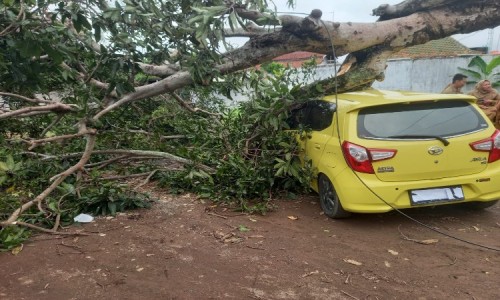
317	146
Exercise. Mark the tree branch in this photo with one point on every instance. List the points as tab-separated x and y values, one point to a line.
13	26
155	154
82	78
164	70
58	118
408	7
51	231
58	179
189	108
307	34
35	143
56	108
32	100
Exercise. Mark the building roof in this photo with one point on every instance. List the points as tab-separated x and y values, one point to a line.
296	59
446	47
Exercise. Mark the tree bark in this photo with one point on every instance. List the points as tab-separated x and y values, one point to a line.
406	24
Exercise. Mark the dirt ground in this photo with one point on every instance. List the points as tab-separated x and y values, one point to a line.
185	249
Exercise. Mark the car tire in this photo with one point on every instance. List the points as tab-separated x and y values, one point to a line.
480	205
329	200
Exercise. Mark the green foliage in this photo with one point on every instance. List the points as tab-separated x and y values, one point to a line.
103	199
480	70
110	198
12	236
254	156
247	144
8	169
274	68
10	200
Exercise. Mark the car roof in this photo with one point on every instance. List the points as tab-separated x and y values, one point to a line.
372	97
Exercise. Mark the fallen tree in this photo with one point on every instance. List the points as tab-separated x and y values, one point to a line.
86	86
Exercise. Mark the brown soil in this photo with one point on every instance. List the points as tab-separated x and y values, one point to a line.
185	249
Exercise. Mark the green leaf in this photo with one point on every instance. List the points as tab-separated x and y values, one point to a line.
319	88
232	20
243	228
479	62
97	32
53	206
280	172
471	73
83	20
201	11
495	62
216	10
55	55
65	75
29	49
10	162
195	19
3	179
130	9
68	188
112	208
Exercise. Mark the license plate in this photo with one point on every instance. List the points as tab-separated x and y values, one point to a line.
443	194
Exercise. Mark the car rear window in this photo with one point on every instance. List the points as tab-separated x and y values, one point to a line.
442	118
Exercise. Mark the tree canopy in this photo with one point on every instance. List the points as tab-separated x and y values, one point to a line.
87	85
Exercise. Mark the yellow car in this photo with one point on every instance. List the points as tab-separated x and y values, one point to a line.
375	151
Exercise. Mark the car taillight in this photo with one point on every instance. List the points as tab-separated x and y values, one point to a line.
360	158
491	145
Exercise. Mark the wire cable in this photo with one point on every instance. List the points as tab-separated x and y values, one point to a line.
366	185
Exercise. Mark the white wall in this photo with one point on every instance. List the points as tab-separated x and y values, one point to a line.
424	75
421	75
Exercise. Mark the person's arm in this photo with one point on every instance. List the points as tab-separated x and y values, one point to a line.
483	103
497	96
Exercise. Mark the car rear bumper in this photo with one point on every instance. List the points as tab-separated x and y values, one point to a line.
384	196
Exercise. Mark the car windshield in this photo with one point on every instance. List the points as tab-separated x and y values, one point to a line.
420	120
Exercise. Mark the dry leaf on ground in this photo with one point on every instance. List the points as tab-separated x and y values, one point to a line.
17	249
353	262
427	242
310	273
392	252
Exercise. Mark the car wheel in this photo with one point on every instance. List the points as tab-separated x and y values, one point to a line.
329	200
480	205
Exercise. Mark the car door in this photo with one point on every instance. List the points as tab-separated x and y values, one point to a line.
318	120
313	123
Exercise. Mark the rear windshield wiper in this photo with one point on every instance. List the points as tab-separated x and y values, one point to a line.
420	136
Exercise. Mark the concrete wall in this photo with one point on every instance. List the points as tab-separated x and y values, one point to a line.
421	75
424	75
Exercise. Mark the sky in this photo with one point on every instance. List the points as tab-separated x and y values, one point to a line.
361	11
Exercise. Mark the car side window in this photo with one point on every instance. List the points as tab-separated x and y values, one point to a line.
315	115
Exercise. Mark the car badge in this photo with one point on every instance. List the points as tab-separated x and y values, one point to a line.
435	150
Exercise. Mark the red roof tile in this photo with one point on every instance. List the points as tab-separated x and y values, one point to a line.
296	59
447	47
